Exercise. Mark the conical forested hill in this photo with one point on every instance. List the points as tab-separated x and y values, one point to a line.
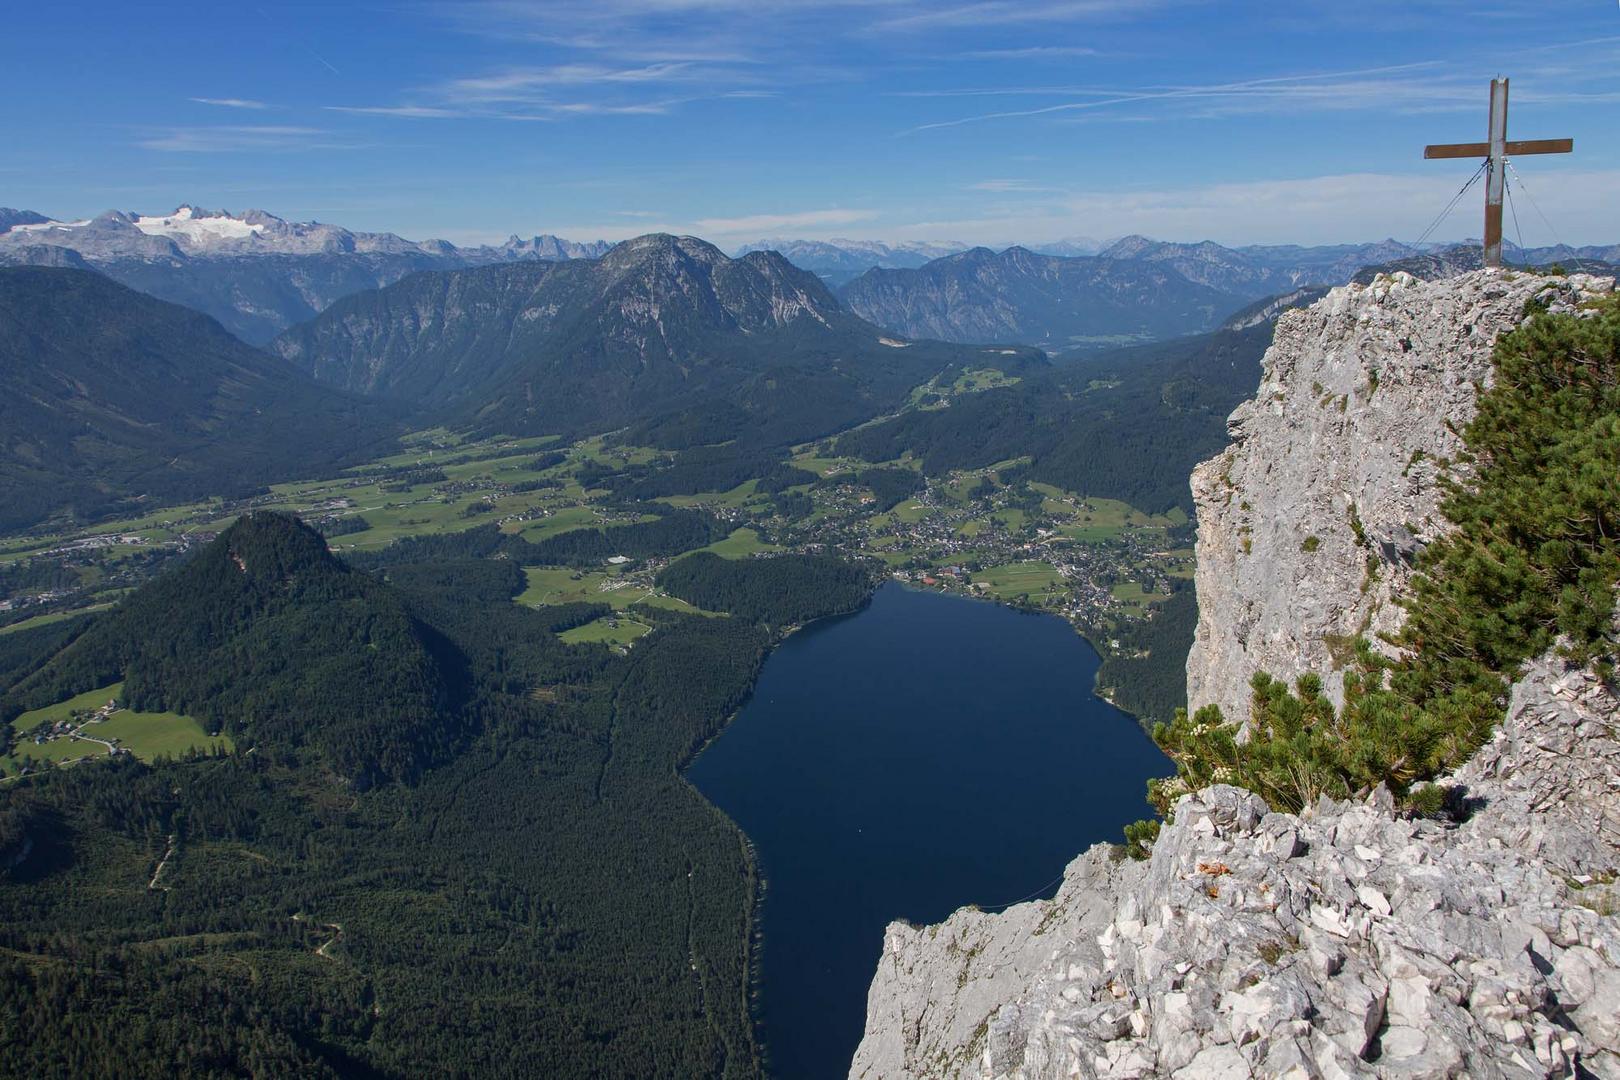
269	637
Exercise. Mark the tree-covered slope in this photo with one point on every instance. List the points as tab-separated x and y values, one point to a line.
658	326
109	396
549	899
1128	424
267	636
780	590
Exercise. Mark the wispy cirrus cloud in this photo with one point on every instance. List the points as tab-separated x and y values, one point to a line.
1421	86
531	84
1032	52
1382	87
410	112
1011	185
243	137
536	111
558	91
1014	13
232	103
648	57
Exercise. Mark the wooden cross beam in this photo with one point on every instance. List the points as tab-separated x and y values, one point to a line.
1496	151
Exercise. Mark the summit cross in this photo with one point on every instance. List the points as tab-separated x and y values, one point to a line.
1496	152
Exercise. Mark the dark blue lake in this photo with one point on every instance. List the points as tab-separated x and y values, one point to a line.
925	753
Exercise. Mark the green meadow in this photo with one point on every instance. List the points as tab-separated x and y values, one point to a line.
146	735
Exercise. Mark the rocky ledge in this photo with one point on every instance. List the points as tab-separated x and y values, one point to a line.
1350	940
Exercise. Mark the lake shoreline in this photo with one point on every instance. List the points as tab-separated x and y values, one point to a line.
778	870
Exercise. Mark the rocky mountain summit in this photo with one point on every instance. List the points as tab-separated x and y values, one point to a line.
194	231
659	325
1351	939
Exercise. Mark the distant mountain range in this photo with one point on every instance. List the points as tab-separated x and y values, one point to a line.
1135	289
254	272
107	394
1256	270
839	261
259	274
657	326
1046	300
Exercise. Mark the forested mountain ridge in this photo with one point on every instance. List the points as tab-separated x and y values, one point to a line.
657	326
981	296
1128	424
107	395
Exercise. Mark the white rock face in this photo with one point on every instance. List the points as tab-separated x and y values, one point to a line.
1334	470
1348	941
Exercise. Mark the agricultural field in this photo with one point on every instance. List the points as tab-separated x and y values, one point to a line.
46	620
675	603
557	521
741	544
977	379
147	736
969	529
738	496
608	630
1134	598
86	702
154	735
1013	580
912	512
550	585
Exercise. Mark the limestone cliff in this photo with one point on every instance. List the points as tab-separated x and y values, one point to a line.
1350	940
1309	522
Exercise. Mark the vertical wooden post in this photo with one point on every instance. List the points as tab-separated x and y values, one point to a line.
1496	154
1496	180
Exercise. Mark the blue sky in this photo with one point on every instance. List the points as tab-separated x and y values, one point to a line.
983	121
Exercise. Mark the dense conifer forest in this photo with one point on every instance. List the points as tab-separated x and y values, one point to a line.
112	397
1128	425
1146	673
779	591
448	843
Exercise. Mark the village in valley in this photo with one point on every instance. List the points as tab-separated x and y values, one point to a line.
985	533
